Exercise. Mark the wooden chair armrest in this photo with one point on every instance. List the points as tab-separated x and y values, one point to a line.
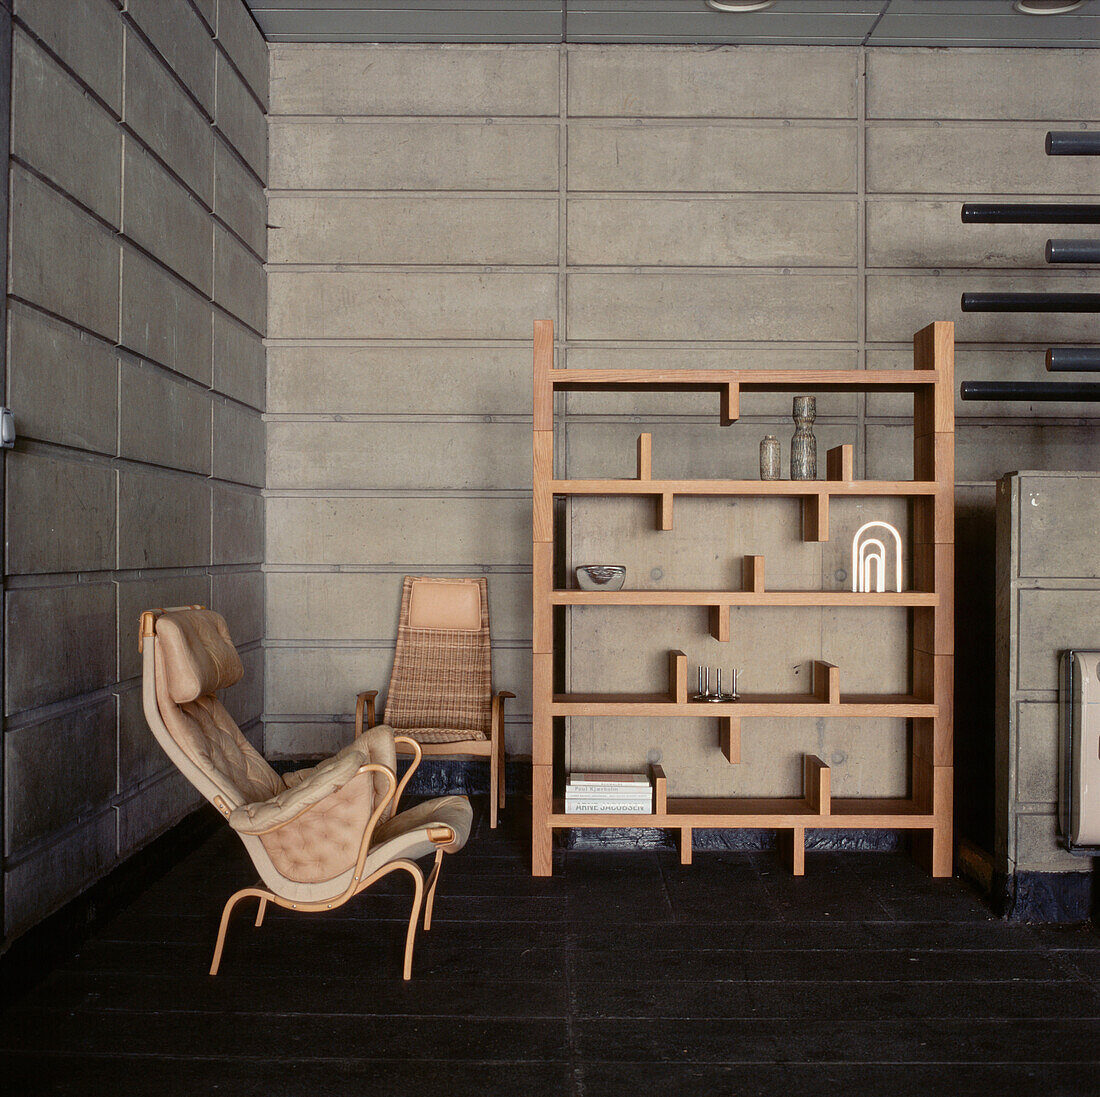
364	700
417	754
498	706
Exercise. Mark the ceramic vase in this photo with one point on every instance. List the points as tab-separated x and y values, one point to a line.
803	443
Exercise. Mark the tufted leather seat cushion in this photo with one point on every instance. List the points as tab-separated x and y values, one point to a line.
199	657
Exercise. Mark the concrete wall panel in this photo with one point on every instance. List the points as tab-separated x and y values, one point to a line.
418	156
238	521
377	81
240	118
163	421
324	229
163	520
63	383
238	201
239	362
727	82
178	34
60	514
239	36
239	597
239	280
238	444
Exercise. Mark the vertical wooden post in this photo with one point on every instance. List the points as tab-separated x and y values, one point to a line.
839	463
826	678
678	677
645	456
752	574
729	738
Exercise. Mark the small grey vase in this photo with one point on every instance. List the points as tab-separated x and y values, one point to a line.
770	458
803	443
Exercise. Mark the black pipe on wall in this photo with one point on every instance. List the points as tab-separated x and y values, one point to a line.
1073	359
1031	213
1031	302
1073	143
1087	391
1073	251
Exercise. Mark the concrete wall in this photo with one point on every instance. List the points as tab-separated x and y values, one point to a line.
136	309
1048	600
754	207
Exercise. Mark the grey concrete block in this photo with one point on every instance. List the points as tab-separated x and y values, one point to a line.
60	514
717	231
451	456
240	118
1037	753
239	361
154	809
239	597
181	39
62	384
238	444
981	364
375	155
907	232
1059	517
360	304
387	380
163	319
239	280
45	792
66	643
163	421
1022	84
86	35
57	872
163	520
351	229
297	739
238	519
167	120
900	304
239	199
765	157
361	606
208	10
971	161
140	756
245	701
164	219
712	306
72	271
1050	622
1038	848
136	595
341	530
52	116
704	81
474	81
705	404
239	36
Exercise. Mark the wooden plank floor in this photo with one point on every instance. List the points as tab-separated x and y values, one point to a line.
624	973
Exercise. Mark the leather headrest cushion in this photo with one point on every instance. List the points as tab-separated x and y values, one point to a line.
445	603
199	657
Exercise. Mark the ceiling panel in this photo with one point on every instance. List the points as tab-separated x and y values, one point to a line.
811	22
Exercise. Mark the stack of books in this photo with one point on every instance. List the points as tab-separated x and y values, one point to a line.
608	794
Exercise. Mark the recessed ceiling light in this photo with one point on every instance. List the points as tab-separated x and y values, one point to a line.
1046	7
739	5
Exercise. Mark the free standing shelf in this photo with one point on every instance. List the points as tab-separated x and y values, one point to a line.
928	810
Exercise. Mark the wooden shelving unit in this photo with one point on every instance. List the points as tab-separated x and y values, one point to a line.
927	811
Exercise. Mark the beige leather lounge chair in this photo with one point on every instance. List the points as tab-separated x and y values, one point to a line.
441	688
317	836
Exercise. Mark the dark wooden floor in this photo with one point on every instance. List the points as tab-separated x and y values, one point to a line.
623	974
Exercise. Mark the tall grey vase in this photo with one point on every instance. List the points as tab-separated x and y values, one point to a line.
803	443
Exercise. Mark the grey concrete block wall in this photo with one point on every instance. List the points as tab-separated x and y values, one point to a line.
755	207
136	374
1048	600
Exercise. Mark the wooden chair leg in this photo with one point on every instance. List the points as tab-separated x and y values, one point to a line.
433	879
413	870
501	769
261	910
494	782
233	900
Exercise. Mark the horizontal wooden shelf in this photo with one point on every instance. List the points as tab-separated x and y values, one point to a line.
705	812
793	488
759	704
771	380
740	598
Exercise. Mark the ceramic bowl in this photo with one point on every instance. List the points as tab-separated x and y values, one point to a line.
601	576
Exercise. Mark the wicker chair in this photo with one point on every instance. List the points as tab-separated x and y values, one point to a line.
440	692
317	836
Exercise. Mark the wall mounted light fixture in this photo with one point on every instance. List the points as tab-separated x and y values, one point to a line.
1046	7
739	5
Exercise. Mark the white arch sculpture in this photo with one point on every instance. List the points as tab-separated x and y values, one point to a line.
873	552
